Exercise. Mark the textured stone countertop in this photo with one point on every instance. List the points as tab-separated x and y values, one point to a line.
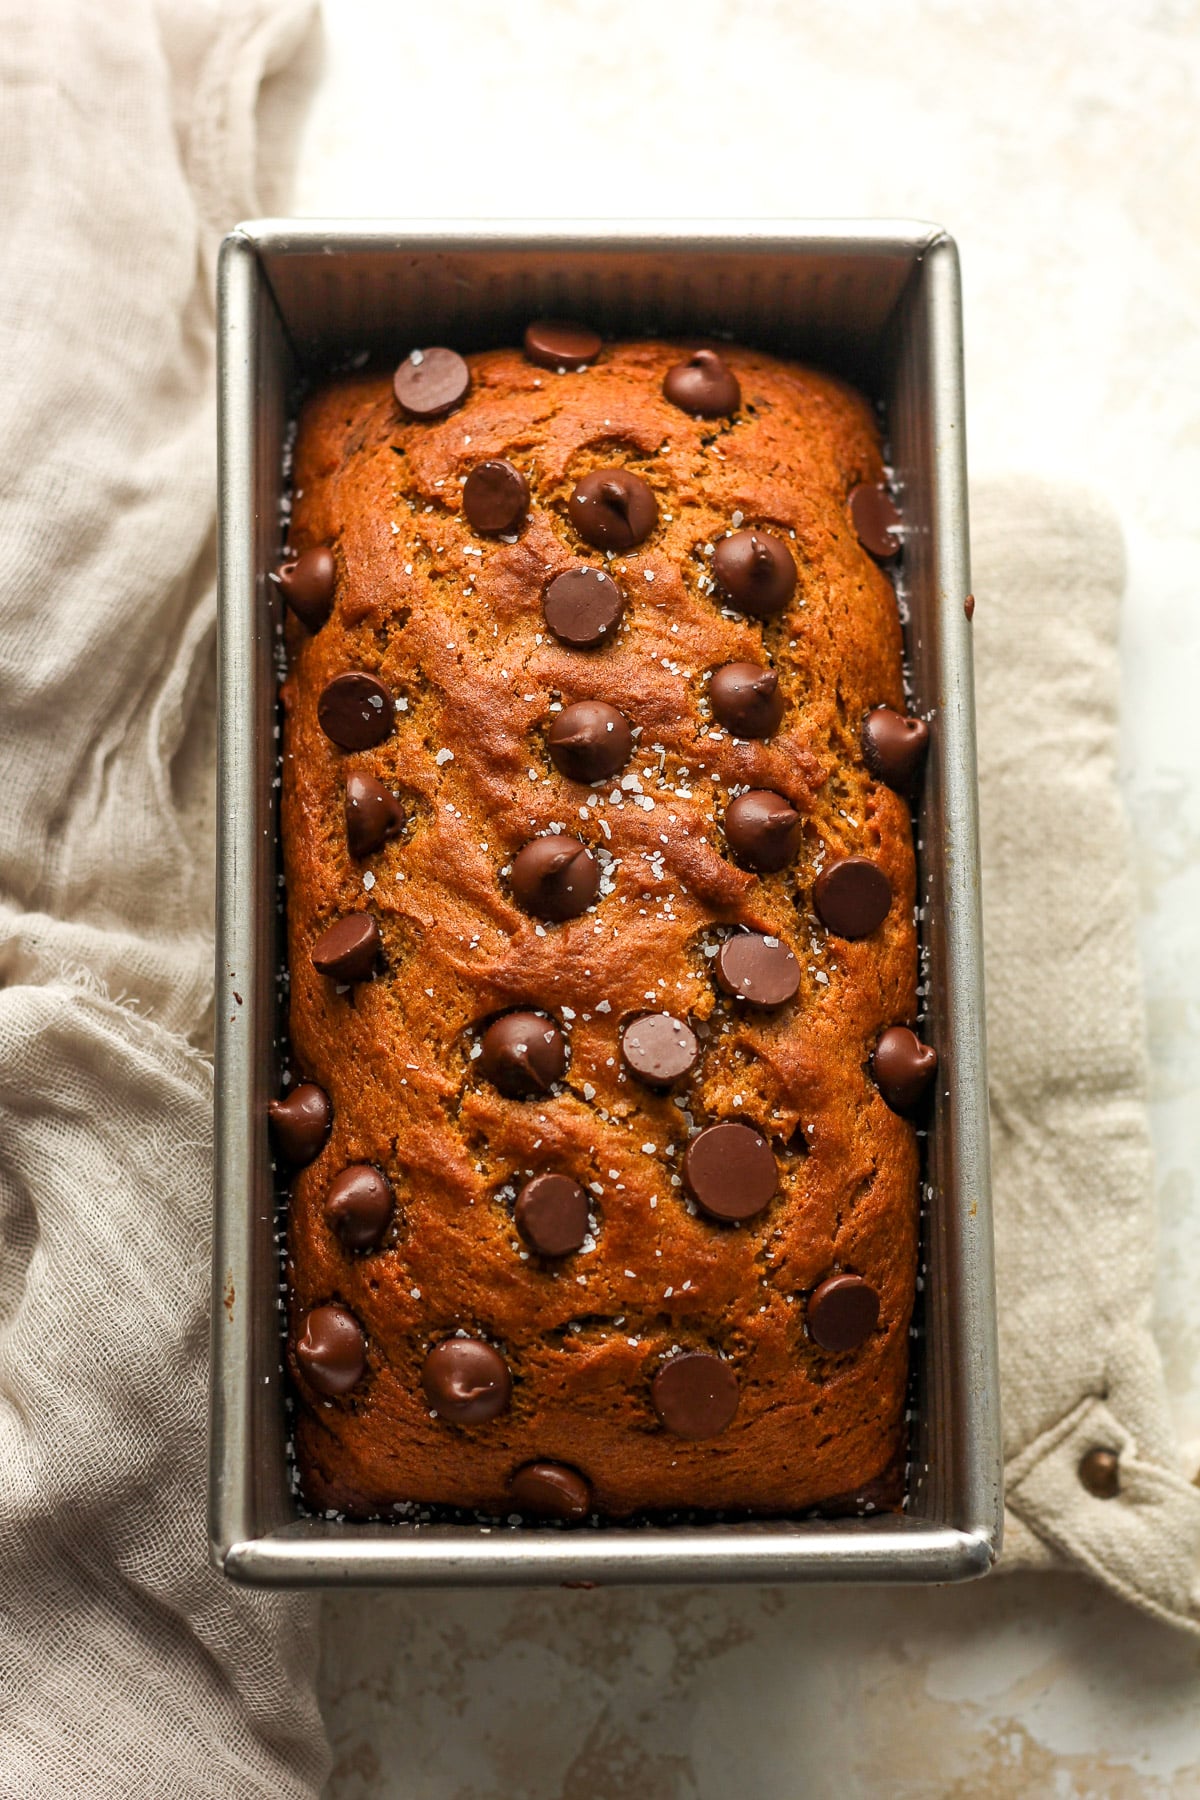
1062	147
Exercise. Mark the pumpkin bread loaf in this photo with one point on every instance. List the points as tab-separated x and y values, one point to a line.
600	897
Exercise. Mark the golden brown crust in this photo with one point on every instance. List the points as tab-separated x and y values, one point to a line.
451	622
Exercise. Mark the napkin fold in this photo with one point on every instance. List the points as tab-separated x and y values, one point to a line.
128	1666
1075	1214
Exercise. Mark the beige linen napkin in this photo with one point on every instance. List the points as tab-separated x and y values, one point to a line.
1075	1212
127	1665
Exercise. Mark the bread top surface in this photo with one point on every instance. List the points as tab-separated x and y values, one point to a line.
451	622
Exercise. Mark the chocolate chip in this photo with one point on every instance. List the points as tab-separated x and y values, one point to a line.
703	386
550	1491
359	1205
695	1394
300	1123
746	699
589	741
307	584
842	1312
355	711
551	1214
466	1381
757	571
555	877
903	1067
373	814
659	1049
852	897
760	969
969	607
349	949
613	509
495	497
332	1351
763	830
558	344
583	607
730	1171
523	1054
431	382
894	747
875	517
1100	1473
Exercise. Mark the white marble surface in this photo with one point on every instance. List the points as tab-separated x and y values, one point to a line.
1025	1688
1061	145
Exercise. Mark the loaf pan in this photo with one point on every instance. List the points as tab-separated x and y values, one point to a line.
875	300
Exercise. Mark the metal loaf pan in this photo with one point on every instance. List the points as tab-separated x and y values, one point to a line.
875	300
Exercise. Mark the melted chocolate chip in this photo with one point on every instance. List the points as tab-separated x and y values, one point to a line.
555	877
355	711
746	699
852	897
758	969
583	608
695	1395
659	1049
894	747
875	517
613	509
332	1351
550	1491
373	814
359	1205
557	344
763	830
300	1123
703	386
589	741
495	497
1100	1473
842	1312
349	949
466	1381
757	571
431	382
523	1054
307	584
551	1214
903	1067
730	1171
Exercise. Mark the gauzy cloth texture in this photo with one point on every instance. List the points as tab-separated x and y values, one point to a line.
1074	1198
128	1666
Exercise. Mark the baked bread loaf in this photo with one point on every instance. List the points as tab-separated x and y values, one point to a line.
600	897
